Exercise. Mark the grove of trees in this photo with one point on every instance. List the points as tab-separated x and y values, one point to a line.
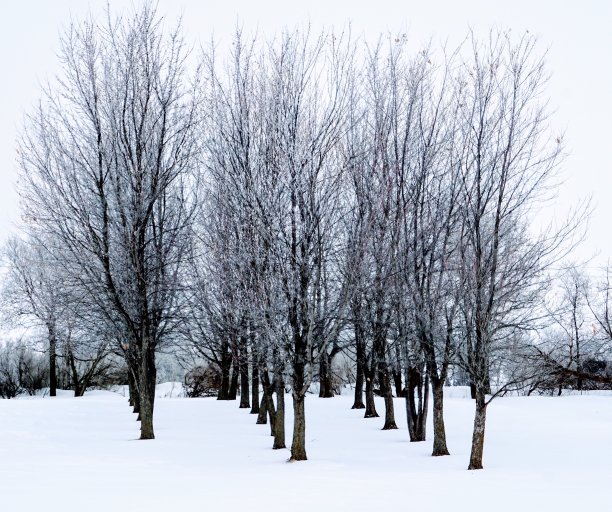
295	204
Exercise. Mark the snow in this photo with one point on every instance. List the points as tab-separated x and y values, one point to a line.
82	454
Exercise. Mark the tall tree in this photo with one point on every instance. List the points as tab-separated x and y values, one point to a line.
34	291
107	165
508	162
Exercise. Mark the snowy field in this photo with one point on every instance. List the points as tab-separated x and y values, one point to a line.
67	454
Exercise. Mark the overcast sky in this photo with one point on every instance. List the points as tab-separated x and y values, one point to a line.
578	36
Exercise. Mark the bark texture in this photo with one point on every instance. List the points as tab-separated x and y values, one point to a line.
279	417
298	444
439	445
479	432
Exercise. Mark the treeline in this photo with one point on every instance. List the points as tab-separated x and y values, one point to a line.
292	201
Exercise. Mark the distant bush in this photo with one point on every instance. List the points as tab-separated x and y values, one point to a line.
202	381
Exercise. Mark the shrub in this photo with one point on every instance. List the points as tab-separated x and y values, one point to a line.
202	381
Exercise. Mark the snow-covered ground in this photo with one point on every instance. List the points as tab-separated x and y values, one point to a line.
67	454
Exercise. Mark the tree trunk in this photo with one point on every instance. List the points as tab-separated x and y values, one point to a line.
255	389
74	374
479	431
397	382
360	356
279	416
298	444
233	388
244	379
370	407
358	403
439	442
147	393
133	385
262	415
225	364
473	391
325	376
416	409
397	372
386	392
52	359
271	412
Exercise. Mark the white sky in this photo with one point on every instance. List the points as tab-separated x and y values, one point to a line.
577	34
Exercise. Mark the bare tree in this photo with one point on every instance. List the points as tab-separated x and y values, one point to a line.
34	294
508	164
575	351
107	165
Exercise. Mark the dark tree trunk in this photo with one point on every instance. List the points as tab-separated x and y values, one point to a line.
262	415
146	386
279	416
255	389
397	372
439	442
416	408
74	374
360	354
271	412
386	392
479	431
133	386
298	444
397	382
326	389
52	359
233	388
225	365
370	406
244	378
358	403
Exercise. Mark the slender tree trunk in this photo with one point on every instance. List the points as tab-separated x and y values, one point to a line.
133	374
416	408
233	388
325	376
147	393
52	359
439	442
397	382
397	372
386	392
74	373
479	431
473	390
279	416
255	389
271	412
244	378
358	403
359	354
298	444
370	406
225	363
262	415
